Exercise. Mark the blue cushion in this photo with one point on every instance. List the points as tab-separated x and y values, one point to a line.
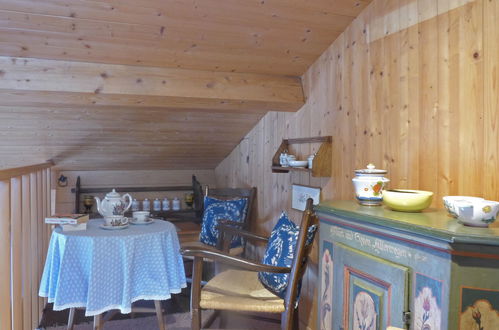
280	252
216	210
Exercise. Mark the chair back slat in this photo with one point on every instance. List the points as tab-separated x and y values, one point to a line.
198	197
301	256
230	192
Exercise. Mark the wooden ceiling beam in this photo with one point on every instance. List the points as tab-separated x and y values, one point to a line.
85	83
222	58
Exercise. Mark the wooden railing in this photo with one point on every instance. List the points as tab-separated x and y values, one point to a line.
25	199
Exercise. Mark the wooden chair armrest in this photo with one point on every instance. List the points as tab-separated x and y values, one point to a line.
239	232
232	261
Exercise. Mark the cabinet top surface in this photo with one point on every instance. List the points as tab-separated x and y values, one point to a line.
436	223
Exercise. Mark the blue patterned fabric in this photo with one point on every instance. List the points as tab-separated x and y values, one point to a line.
280	252
101	270
216	210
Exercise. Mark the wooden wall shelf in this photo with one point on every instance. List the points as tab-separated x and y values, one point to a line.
193	214
131	189
322	160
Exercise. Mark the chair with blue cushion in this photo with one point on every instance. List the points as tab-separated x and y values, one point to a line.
269	286
224	206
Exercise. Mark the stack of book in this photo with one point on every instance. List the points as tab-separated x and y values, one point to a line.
69	222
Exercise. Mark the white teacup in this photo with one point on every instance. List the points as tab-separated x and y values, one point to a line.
450	201
141	216
115	220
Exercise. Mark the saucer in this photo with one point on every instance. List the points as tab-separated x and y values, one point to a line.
298	163
104	226
147	222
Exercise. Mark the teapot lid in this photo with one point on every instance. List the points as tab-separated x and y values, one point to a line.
113	194
371	169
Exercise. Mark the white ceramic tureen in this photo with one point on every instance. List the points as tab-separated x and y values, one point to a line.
369	184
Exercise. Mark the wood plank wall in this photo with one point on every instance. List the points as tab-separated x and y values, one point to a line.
149	178
25	200
412	86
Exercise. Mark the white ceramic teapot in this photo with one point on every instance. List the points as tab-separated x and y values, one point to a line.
113	204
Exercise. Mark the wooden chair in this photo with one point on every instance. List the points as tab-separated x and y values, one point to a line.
198	197
240	290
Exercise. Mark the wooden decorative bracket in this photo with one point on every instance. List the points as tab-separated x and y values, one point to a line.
322	160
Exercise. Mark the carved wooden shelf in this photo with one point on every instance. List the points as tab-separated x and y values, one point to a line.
322	161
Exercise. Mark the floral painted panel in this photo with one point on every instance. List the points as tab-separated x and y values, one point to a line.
365	311
326	307
479	309
367	299
427	303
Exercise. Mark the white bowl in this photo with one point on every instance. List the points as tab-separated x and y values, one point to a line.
478	213
298	163
449	202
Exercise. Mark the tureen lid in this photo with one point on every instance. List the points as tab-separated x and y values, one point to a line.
371	169
113	194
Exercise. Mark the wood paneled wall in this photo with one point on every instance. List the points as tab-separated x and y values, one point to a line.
412	86
95	179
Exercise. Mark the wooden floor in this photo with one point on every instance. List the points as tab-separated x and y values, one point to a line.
177	304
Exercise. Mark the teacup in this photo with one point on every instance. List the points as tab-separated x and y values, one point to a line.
480	213
115	220
449	202
141	216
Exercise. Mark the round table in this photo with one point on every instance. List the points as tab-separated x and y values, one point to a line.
103	269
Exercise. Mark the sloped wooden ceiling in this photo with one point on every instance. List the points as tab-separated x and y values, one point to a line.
151	84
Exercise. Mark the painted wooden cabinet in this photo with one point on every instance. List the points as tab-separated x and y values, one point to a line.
423	271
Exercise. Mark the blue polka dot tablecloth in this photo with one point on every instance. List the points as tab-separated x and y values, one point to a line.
102	269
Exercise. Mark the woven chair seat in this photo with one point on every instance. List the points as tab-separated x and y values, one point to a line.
239	290
197	244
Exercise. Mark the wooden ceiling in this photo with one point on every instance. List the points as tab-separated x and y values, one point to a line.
264	36
152	84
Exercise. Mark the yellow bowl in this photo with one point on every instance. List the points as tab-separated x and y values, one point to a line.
407	200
